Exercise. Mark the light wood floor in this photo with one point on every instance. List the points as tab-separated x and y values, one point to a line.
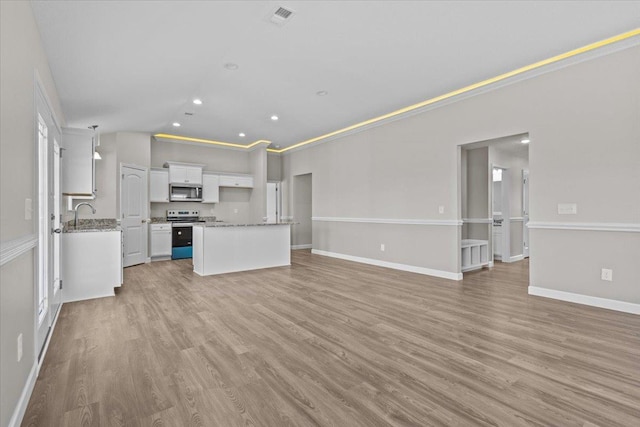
334	343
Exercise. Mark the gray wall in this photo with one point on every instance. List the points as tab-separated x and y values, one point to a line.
475	198
21	55
584	127
274	167
302	210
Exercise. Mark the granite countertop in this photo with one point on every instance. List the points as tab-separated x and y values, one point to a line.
233	224
91	225
159	220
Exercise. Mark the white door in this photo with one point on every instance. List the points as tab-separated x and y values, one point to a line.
55	200
273	202
134	206
43	322
525	212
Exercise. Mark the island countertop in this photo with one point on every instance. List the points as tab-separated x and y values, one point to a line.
233	224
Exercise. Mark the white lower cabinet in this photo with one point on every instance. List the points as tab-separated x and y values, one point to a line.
91	264
160	240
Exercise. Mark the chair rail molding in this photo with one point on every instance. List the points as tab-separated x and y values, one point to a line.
12	249
446	222
585	226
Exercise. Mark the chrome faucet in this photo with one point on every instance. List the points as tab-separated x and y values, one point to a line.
75	220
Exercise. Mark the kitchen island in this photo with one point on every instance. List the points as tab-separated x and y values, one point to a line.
225	248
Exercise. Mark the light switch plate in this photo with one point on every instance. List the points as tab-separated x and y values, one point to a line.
567	208
28	209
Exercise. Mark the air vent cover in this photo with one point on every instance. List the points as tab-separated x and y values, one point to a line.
281	16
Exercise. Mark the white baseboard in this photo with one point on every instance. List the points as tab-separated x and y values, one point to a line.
296	247
626	307
21	407
404	267
490	264
516	258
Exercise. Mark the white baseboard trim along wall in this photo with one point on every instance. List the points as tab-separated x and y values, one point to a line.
626	307
21	407
404	267
296	247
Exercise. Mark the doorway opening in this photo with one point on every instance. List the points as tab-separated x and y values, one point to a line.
302	232
274	202
494	201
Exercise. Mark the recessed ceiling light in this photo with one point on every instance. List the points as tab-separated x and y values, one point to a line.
176	124
274	117
197	101
231	66
241	135
277	146
525	140
322	93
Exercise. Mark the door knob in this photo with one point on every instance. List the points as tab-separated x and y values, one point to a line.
56	230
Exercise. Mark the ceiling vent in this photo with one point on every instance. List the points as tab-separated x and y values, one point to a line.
281	16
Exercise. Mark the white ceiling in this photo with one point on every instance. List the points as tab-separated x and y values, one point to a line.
137	65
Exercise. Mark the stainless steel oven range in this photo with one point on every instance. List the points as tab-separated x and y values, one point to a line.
182	232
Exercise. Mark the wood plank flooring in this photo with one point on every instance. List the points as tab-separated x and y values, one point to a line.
328	342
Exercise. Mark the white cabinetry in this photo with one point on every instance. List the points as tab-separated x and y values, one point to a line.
210	188
78	164
91	264
159	185
475	254
184	173
160	240
242	181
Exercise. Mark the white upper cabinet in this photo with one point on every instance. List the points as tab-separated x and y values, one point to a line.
210	188
159	185
240	181
184	173
78	164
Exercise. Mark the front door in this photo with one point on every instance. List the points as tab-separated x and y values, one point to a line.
134	206
55	228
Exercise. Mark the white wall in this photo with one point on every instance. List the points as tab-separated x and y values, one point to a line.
21	56
584	127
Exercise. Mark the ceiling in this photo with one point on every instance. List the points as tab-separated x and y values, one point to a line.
138	65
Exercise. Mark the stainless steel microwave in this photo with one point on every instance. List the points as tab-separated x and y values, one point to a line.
185	192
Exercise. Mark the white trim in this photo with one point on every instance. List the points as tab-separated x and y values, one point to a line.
517	219
536	72
404	267
448	222
585	226
21	406
296	247
12	249
626	307
515	258
23	401
477	220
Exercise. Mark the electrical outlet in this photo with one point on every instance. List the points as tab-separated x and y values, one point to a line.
235	210
382	247
19	347
212	211
441	209
606	274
